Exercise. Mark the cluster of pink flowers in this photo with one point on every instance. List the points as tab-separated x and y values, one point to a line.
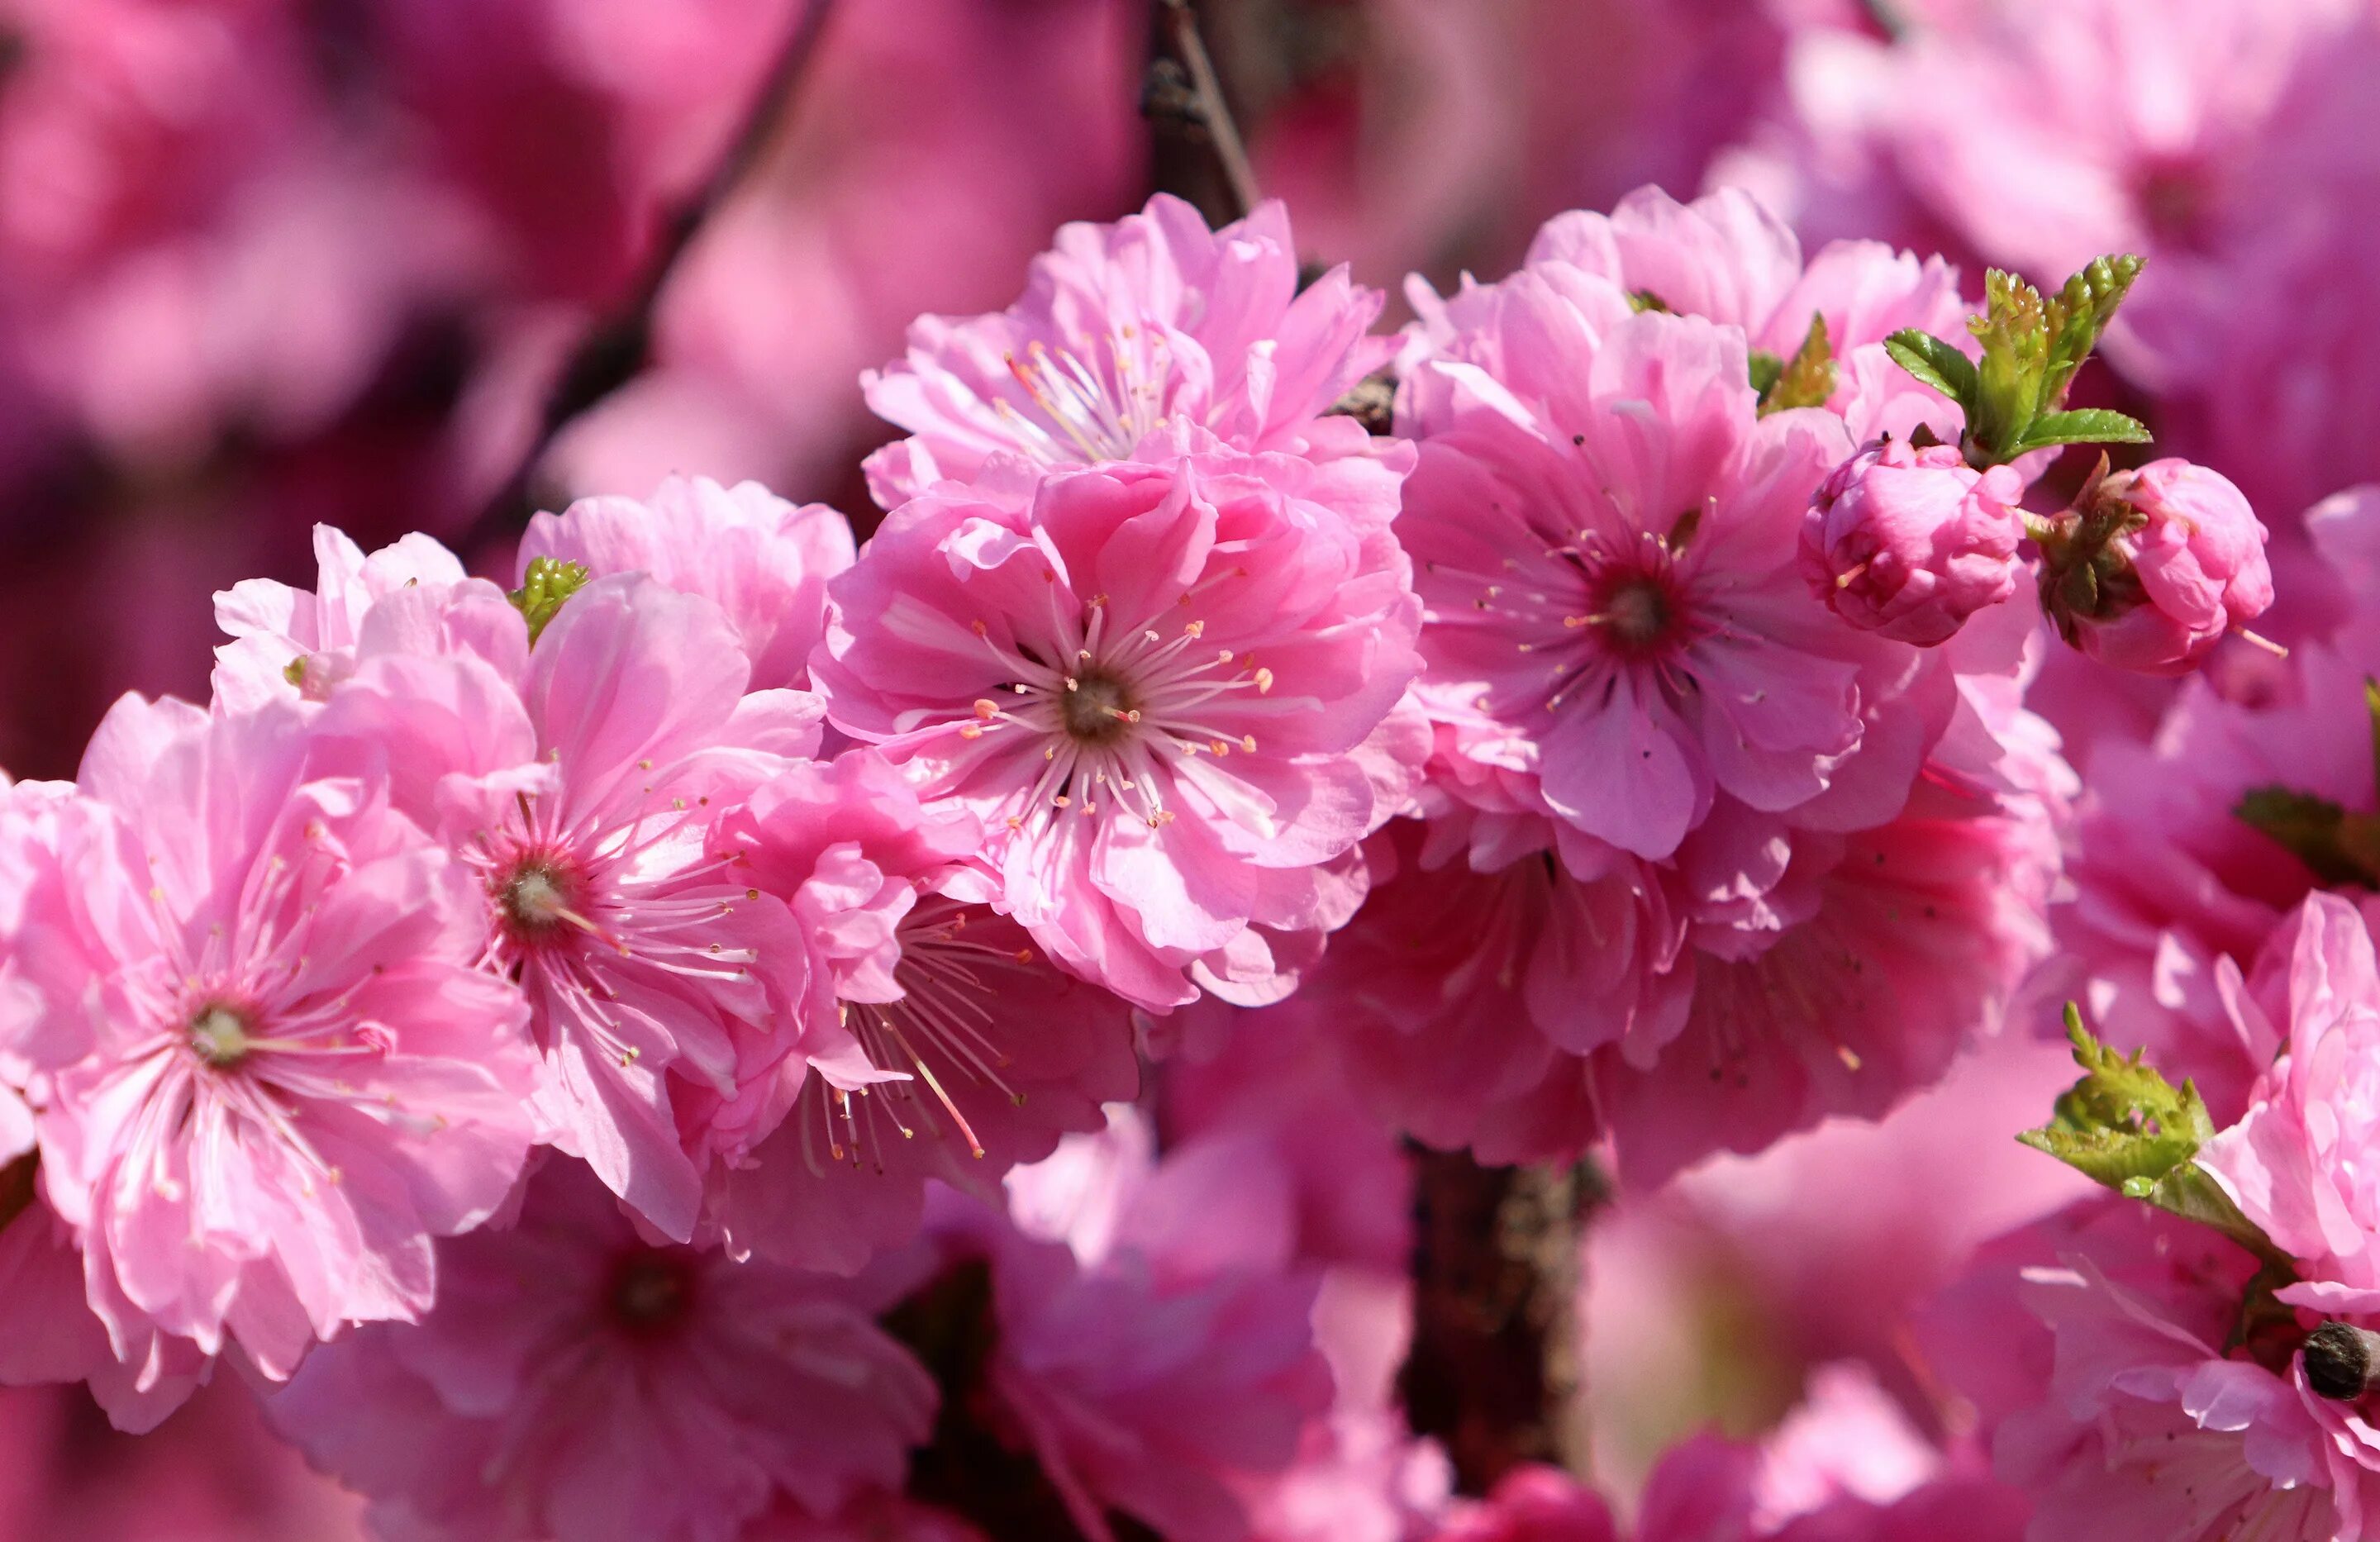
677	1048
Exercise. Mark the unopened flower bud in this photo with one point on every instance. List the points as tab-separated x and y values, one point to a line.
2151	567
1909	543
2341	1360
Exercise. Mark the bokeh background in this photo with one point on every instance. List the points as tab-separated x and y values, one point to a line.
269	263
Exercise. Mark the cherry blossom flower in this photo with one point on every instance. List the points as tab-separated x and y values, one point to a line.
1124	329
765	561
284	638
999	1051
298	1076
580	1382
668	993
1615	617
1908	543
2092	1343
1727	258
1160	686
2294	1162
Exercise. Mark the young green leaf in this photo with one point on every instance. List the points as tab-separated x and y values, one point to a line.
1936	364
2123	1120
2093	425
1807	379
2080	314
2126	1127
1765	369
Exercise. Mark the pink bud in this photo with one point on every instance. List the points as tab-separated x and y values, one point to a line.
1909	542
2154	567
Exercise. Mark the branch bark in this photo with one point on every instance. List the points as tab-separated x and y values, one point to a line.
1495	1367
619	346
1184	91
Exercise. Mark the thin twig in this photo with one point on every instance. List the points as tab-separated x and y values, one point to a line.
618	346
1212	111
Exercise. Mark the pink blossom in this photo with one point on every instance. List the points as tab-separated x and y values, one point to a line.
1124	329
1853	975
765	561
1290	1095
1615	618
578	1382
1162	688
1909	542
299	1077
675	1006
2117	1409
285	641
2174	559
2295	1162
1727	258
1152	1385
2168	878
1360	1474
1002	1052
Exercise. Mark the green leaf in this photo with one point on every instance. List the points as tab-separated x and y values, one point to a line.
1808	380
2339	847
1766	368
2094	425
2078	314
2126	1127
1936	364
2014	332
541	594
2123	1120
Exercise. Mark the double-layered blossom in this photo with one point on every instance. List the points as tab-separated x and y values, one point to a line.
578	1382
1729	259
1908	543
2296	1163
285	640
2094	1346
764	561
998	1050
1124	329
1525	1012
676	1007
1165	687
1604	533
297	1075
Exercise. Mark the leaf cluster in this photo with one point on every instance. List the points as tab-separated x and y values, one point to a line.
2014	398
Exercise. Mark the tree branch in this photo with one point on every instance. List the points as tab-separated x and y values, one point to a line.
1494	1371
1185	92
619	346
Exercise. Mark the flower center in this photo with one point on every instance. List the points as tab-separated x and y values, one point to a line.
652	1290
1638	612
540	894
221	1036
1097	710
